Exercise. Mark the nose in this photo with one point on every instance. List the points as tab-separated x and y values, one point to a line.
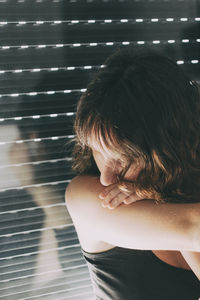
108	176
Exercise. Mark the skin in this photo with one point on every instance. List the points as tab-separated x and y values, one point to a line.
112	197
109	168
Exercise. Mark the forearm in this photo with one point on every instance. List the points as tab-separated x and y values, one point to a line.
193	260
146	225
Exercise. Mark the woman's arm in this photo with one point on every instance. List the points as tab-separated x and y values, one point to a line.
108	195
141	225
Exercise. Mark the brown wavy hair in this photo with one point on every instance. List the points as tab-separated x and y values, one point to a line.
144	106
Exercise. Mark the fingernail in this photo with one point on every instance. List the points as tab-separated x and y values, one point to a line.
101	196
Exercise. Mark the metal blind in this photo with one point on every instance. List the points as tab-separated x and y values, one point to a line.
49	51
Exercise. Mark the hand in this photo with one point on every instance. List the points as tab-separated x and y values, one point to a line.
112	196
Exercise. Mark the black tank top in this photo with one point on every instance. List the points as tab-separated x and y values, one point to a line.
127	274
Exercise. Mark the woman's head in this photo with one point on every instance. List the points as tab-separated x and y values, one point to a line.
112	163
144	111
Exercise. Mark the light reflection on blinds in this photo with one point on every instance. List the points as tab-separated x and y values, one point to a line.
49	51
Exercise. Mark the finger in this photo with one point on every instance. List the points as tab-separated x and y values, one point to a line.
110	196
128	200
131	198
117	200
126	188
106	191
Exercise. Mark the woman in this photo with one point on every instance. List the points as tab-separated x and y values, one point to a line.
136	207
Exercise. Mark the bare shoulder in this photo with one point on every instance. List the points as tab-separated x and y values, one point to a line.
95	223
83	183
86	211
82	200
82	192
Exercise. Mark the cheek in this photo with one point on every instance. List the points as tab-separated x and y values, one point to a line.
99	161
103	164
99	165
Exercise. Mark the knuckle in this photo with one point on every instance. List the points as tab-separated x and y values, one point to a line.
108	198
115	201
111	194
128	200
104	193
